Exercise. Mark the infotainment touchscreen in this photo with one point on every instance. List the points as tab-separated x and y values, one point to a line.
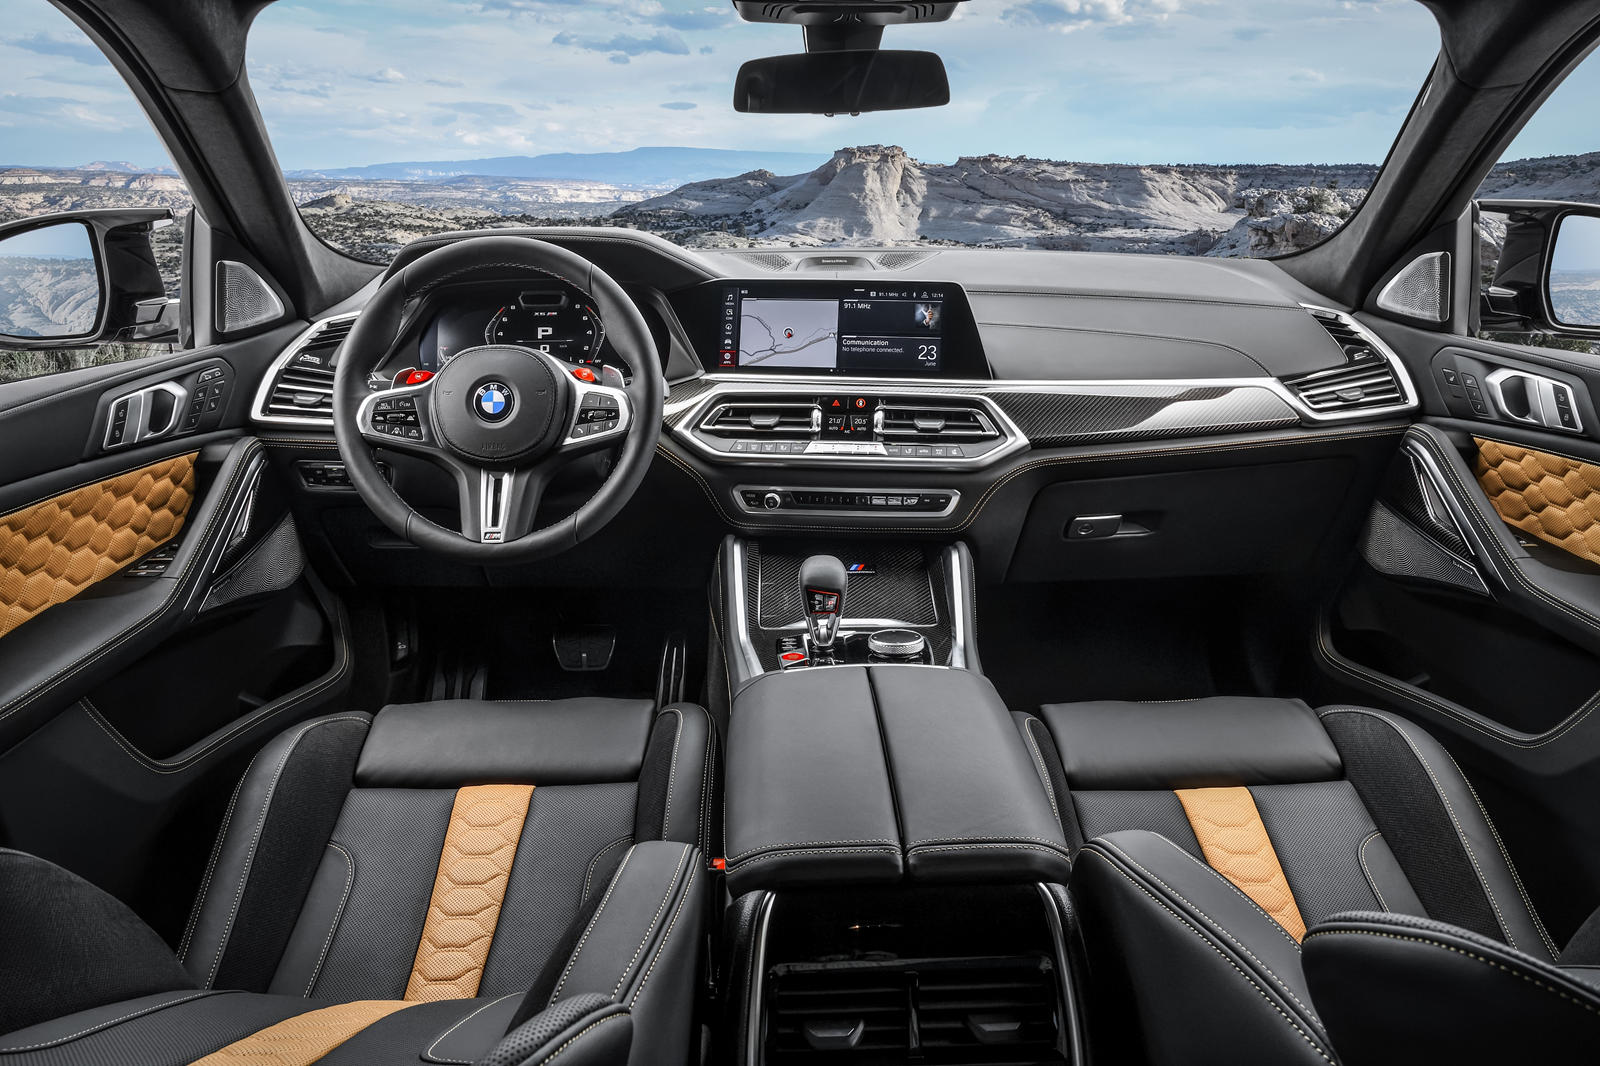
848	329
869	330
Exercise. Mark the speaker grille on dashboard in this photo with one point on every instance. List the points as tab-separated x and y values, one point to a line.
1421	290
244	300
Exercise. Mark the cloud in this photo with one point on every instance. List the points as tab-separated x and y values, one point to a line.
1066	16
679	105
488	111
706	18
622	45
386	76
79	50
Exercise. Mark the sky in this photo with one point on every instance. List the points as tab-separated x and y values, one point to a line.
353	82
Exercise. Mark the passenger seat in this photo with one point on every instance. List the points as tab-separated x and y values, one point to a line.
1212	834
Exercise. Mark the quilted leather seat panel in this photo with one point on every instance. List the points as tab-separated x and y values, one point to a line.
53	550
1547	496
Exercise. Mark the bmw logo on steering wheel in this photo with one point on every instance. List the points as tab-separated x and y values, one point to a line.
493	401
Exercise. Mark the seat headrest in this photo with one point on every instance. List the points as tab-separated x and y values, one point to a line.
452	743
1220	741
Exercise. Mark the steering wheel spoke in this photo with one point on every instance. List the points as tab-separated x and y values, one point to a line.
398	419
499	504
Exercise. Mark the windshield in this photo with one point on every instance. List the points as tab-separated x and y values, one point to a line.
1165	126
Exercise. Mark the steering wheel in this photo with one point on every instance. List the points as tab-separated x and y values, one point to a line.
501	418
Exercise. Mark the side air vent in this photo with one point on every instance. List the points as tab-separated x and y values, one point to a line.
938	1012
775	419
1367	381
301	386
942	424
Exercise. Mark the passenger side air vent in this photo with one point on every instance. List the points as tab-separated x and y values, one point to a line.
774	419
301	387
934	424
1365	382
938	1012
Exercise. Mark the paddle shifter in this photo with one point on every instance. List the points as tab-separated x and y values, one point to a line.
822	585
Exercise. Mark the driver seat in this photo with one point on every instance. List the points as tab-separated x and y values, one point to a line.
458	881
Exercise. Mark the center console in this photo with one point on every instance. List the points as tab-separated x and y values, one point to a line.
893	853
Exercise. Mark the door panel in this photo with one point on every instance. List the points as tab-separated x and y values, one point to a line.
1488	633
158	621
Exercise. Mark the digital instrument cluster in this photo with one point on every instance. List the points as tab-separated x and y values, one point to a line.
557	319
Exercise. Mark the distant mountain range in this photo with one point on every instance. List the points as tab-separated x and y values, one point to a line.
872	195
658	168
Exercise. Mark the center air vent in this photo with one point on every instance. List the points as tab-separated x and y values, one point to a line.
934	423
1367	381
939	1012
758	419
301	384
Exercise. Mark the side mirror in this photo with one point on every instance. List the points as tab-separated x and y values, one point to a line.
79	279
844	82
1540	266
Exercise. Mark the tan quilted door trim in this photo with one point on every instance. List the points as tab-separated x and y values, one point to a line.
1235	843
1547	496
51	551
305	1038
474	867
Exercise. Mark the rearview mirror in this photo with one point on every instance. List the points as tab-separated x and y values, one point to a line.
78	279
841	82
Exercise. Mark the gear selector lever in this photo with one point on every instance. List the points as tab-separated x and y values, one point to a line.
822	586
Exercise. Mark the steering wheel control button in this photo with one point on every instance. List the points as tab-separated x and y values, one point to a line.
583	373
494	401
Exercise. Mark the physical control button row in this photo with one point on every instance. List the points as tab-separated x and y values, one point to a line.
809	500
598	412
397	416
926	451
769	447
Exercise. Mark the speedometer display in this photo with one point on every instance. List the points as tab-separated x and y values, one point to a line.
550	322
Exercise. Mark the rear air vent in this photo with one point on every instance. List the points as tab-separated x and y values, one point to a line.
839	1015
300	388
943	423
765	419
1366	382
939	1012
989	1010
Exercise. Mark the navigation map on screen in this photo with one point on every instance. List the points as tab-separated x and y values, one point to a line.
899	331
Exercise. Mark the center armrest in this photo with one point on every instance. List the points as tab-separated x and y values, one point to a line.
875	774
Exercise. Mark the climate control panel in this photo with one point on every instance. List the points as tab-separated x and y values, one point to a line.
773	499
